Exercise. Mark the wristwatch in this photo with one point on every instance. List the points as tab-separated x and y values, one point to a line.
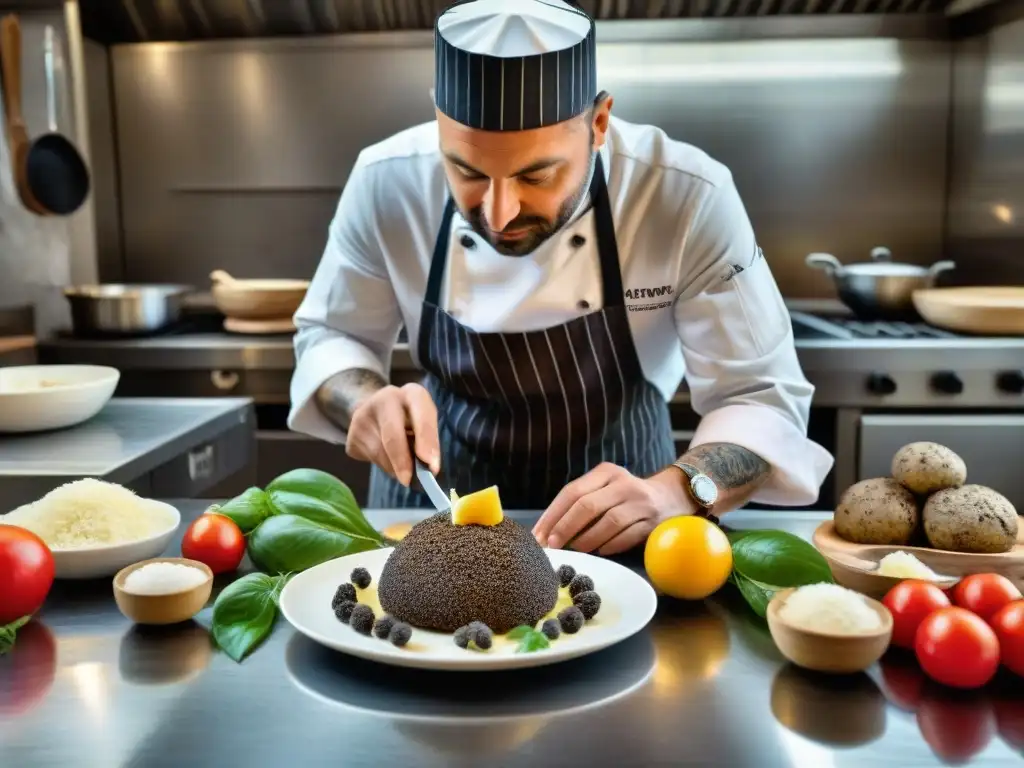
701	487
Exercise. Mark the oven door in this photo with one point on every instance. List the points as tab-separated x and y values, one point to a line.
992	445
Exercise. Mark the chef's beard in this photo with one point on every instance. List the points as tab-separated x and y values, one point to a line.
541	229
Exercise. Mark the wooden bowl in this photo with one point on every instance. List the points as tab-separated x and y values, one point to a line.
826	651
958	564
171	608
257	299
991	310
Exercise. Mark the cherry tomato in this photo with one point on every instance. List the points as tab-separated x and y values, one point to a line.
910	602
26	573
956	727
985	593
216	541
1008	623
957	648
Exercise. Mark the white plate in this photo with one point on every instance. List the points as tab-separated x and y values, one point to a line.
34	398
99	562
628	603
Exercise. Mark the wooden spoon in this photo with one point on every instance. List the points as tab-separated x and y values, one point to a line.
870	568
17	134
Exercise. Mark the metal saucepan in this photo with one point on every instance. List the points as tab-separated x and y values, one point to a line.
124	309
879	289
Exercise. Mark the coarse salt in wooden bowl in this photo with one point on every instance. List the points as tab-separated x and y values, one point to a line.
168	608
837	653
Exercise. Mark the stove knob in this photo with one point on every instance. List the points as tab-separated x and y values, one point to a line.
1011	382
948	383
881	384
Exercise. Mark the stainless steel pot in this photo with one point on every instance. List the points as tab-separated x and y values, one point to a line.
879	289
124	309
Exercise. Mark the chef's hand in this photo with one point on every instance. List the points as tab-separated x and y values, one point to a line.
622	508
380	426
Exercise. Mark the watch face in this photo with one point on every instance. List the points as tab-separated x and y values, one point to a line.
704	490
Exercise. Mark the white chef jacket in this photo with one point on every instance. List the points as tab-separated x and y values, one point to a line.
701	298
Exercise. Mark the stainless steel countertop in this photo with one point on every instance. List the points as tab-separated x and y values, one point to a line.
702	685
128	438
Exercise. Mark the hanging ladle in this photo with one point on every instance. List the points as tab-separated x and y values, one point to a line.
50	169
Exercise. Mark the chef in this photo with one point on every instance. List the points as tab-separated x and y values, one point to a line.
559	271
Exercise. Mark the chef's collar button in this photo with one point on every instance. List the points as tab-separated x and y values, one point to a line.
578	241
468	242
583	304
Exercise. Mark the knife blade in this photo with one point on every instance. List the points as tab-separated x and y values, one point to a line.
431	487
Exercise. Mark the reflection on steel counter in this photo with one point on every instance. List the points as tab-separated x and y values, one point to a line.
702	685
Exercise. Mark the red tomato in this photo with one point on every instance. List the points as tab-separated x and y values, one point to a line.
985	593
26	573
956	727
910	602
28	671
216	541
1008	622
957	648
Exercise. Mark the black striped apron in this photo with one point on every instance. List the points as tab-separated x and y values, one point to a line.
529	412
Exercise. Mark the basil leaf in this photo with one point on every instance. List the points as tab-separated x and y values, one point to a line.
248	510
756	594
518	633
290	544
244	613
533	641
779	558
322	498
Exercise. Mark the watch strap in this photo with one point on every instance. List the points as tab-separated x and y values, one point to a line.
688	469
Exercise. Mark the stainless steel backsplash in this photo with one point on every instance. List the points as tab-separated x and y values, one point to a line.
231	154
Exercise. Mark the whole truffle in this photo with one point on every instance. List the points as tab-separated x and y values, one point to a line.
928	467
343	610
442	576
461	637
362	619
382	627
361	578
400	635
482	636
344	592
571	620
580	583
565	575
551	629
972	518
877	511
588	602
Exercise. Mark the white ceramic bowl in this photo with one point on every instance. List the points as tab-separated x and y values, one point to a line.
100	562
34	398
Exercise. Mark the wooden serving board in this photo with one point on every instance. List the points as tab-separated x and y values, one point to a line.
1009	564
259	327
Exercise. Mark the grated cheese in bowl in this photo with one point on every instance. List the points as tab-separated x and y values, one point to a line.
90	513
829	608
903	565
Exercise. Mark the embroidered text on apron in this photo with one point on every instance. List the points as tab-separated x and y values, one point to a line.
529	412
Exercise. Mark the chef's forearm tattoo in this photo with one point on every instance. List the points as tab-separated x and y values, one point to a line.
730	466
341	394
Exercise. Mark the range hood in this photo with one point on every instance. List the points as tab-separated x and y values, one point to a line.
129	21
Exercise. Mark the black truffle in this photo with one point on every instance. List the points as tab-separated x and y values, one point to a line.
481	635
442	576
400	634
588	602
580	583
571	619
362	619
461	637
551	629
343	611
361	578
565	574
345	592
383	626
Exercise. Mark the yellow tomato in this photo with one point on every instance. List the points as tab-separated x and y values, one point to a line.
688	557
